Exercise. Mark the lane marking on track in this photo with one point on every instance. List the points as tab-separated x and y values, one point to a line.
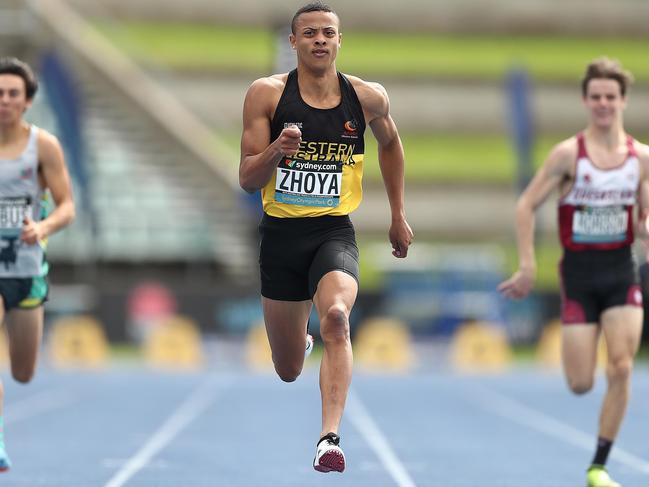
367	427
518	412
195	405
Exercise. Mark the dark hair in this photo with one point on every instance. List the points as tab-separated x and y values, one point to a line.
316	6
12	65
606	68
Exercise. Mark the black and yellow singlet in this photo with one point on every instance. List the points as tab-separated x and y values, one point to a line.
324	176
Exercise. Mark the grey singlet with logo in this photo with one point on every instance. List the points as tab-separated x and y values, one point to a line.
20	195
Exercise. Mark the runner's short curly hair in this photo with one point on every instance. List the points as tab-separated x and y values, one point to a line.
12	65
606	68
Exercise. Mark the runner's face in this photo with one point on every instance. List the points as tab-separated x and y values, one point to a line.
605	102
316	39
13	99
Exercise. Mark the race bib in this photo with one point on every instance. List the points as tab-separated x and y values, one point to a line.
13	212
597	225
308	183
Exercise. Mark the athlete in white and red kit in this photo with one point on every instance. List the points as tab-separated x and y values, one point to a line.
601	174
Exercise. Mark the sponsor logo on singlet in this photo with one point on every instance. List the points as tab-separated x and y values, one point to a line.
293	124
350	130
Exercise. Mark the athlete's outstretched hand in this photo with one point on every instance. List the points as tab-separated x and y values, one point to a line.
289	140
518	286
32	232
400	237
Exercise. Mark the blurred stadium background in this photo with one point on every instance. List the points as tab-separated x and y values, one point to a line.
161	264
146	96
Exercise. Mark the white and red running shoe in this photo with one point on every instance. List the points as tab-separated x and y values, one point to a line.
328	456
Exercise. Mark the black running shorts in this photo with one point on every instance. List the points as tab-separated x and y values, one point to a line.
296	253
593	281
24	293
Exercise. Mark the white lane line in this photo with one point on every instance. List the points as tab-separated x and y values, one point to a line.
39	403
517	412
199	400
363	422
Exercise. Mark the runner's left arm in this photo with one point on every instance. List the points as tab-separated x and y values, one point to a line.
57	179
643	193
391	161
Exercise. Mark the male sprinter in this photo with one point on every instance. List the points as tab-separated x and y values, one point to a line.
302	145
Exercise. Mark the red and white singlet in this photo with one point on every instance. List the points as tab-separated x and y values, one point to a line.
597	213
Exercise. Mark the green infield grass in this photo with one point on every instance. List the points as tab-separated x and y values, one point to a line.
210	48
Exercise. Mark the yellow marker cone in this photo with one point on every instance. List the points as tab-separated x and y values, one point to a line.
384	344
480	347
258	353
175	344
78	341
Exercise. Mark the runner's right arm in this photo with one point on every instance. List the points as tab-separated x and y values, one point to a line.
260	156
554	171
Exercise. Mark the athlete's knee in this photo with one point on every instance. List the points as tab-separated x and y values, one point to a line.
335	324
619	370
22	374
580	385
288	374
